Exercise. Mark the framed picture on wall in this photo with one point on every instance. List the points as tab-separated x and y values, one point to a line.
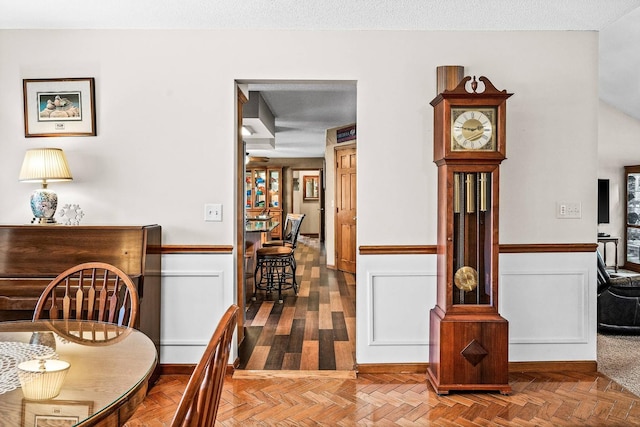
310	188
59	107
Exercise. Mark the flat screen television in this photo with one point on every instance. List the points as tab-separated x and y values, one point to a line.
603	201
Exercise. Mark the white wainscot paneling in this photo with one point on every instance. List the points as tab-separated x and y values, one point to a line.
390	299
536	304
393	308
549	301
195	295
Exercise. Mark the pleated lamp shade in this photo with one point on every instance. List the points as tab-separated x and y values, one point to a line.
45	164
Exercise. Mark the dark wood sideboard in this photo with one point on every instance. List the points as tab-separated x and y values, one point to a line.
32	255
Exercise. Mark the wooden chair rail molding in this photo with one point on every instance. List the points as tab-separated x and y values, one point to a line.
398	250
504	248
402	249
196	249
548	247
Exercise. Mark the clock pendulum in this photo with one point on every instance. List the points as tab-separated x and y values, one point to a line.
468	337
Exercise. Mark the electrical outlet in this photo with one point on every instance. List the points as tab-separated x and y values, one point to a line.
569	210
213	212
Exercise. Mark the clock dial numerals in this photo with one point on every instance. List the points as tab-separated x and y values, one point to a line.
473	129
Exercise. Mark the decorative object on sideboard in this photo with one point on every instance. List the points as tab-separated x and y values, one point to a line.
71	214
44	165
59	107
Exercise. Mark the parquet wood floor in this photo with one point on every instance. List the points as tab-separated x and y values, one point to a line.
538	399
314	330
289	336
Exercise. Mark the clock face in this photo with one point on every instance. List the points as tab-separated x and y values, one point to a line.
473	129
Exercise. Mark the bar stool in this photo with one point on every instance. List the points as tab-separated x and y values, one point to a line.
292	227
275	269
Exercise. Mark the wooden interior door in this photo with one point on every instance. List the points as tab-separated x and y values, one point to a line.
346	212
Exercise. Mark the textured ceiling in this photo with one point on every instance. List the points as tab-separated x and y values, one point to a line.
302	110
317	14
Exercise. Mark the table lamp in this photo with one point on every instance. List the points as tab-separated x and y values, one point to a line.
44	165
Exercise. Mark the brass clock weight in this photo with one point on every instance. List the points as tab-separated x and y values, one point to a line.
468	337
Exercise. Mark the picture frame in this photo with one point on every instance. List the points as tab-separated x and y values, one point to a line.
58	413
59	107
310	188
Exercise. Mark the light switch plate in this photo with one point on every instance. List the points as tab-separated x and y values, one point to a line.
213	212
569	210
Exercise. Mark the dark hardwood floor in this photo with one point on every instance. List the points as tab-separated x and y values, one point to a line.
302	353
314	330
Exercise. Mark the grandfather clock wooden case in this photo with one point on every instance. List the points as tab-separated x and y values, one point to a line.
468	337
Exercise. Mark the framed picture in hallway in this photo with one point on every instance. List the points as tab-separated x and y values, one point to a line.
310	188
59	107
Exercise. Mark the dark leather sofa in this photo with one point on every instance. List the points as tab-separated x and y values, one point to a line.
618	302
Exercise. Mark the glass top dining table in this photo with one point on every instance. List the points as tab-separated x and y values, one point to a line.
110	368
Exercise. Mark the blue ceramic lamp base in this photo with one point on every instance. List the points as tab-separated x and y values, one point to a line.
43	205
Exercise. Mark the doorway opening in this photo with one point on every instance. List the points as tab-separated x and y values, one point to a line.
307	115
307	198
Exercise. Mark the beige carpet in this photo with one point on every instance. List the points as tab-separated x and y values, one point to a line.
619	359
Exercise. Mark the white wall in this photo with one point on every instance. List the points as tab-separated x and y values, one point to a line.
618	146
166	135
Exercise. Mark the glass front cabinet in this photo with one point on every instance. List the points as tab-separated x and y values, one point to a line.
632	219
263	195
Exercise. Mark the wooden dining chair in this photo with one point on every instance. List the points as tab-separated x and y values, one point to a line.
90	291
199	404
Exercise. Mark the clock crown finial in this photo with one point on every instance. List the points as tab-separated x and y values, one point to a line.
474	85
487	89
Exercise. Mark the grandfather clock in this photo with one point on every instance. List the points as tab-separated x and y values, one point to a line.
468	337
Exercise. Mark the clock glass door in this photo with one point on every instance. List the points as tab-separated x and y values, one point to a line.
472	238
